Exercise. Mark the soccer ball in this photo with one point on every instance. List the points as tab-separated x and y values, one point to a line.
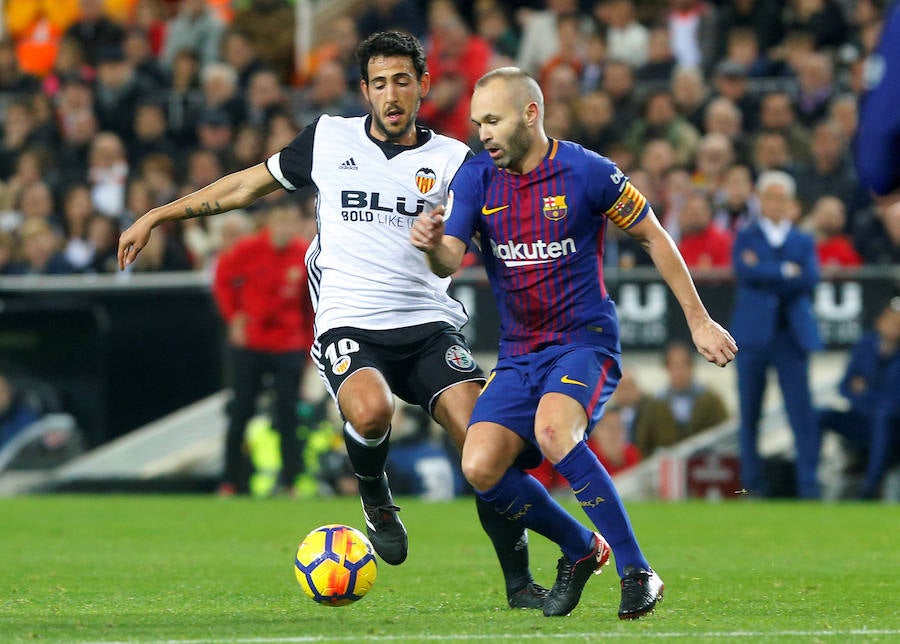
335	565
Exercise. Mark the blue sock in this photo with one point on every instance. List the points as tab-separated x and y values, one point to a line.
520	497
598	497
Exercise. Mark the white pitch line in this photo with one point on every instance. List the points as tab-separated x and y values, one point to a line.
421	637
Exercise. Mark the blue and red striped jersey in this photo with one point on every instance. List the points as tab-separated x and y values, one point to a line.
539	235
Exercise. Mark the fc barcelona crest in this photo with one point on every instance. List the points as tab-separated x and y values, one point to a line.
555	207
425	179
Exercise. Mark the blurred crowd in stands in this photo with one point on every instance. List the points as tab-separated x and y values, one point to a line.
111	107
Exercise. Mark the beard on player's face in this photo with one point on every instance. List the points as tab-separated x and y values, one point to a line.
398	130
515	149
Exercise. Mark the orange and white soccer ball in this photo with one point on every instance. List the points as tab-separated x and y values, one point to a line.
335	565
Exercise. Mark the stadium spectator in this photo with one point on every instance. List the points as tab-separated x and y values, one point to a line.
702	243
761	17
80	128
660	64
339	43
876	234
866	385
239	52
631	401
492	23
102	234
771	151
595	129
730	81
618	83
833	246
456	59
149	17
36	203
182	108
690	93
116	92
777	114
776	269
684	408
715	155
815	88
723	117
18	126
77	212
626	38
570	53
540	40
40	250
28	171
215	133
270	26
94	31
384	15
107	174
692	25
151	134
12	78
265	96
742	48
15	413
824	20
219	85
844	113
249	147
660	119
138	51
261	291
195	28
36	28
329	92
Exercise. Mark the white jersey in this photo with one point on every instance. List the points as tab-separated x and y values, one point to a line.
364	272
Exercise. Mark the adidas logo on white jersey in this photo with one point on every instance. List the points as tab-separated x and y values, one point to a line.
349	164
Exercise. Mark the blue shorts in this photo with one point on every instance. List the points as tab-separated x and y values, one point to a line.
512	392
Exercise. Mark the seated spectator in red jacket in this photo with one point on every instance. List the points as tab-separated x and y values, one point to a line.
834	248
703	244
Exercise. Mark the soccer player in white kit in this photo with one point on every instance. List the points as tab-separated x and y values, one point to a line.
384	322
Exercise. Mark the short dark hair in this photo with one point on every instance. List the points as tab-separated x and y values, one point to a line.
391	43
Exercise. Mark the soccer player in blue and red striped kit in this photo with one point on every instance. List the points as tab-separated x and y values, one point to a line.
536	205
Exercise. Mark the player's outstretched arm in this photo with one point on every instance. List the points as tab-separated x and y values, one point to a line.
712	341
443	253
236	190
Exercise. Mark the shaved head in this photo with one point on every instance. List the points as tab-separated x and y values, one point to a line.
523	89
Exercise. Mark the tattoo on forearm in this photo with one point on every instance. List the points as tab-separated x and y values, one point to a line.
205	209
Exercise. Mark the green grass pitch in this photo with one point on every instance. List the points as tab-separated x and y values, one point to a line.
201	569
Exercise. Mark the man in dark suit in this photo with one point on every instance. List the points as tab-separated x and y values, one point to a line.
776	270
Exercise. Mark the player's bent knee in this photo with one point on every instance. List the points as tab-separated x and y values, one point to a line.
370	419
481	473
554	444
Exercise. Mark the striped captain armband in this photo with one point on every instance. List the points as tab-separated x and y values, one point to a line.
627	208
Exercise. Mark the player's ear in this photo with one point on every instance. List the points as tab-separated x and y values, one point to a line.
364	91
425	84
532	113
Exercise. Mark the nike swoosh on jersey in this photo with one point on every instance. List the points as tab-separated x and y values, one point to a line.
582	489
490	211
568	381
